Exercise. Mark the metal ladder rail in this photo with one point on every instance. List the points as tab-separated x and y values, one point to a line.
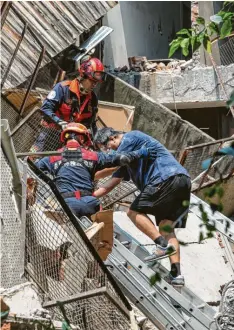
137	293
164	317
129	285
143	273
141	253
222	223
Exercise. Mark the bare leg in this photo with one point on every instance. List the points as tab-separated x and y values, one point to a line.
170	236
143	222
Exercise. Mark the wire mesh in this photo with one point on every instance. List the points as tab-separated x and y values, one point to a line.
59	257
12	265
9	113
25	137
92	313
193	157
124	192
35	132
227	52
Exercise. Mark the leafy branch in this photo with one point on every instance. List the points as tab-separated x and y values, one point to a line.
221	25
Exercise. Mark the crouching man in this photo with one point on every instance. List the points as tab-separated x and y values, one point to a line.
164	185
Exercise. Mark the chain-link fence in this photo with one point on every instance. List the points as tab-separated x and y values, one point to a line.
63	263
12	263
193	157
25	63
27	130
227	52
124	192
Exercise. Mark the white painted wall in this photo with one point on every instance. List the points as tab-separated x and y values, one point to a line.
136	27
115	50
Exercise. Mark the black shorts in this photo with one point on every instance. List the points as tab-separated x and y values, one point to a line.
165	200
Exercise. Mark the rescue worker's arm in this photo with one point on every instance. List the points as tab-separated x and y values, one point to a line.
52	103
107	187
104	173
120	159
44	165
117	177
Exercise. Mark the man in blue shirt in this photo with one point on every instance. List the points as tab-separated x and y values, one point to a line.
74	170
164	185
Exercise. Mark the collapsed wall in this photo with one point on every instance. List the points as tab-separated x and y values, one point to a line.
152	117
195	86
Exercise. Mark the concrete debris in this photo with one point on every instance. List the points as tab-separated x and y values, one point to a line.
225	317
26	311
142	321
22	299
141	64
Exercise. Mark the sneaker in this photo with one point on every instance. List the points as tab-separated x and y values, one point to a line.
161	252
177	281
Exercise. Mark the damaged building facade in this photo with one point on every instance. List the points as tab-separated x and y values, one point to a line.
189	87
164	98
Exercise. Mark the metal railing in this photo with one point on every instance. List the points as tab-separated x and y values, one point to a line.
192	157
64	264
16	38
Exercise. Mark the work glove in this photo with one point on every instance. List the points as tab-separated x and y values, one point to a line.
127	158
62	124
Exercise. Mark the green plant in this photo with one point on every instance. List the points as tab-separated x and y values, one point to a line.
221	26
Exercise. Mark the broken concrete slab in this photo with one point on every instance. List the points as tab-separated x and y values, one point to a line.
22	299
153	118
198	87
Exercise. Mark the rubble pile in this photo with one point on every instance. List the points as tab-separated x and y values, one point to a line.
141	64
21	309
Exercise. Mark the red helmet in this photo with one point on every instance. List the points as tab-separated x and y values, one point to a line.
93	69
79	131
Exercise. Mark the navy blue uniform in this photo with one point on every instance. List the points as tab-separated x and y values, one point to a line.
65	103
74	174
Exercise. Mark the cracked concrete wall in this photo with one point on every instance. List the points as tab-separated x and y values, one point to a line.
153	118
192	86
144	22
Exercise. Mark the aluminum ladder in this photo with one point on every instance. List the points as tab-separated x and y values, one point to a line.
165	306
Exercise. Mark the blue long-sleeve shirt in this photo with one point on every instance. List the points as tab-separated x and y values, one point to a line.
78	175
147	171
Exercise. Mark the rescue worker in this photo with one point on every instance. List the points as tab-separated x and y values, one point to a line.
74	170
164	185
70	101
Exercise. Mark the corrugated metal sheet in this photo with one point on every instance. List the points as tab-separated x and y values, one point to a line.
57	24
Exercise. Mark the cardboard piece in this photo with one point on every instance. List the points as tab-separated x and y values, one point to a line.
115	115
104	247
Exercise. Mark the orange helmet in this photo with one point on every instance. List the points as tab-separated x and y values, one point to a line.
93	69
76	130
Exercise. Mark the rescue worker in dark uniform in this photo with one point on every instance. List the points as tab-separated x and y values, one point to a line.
74	170
70	101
